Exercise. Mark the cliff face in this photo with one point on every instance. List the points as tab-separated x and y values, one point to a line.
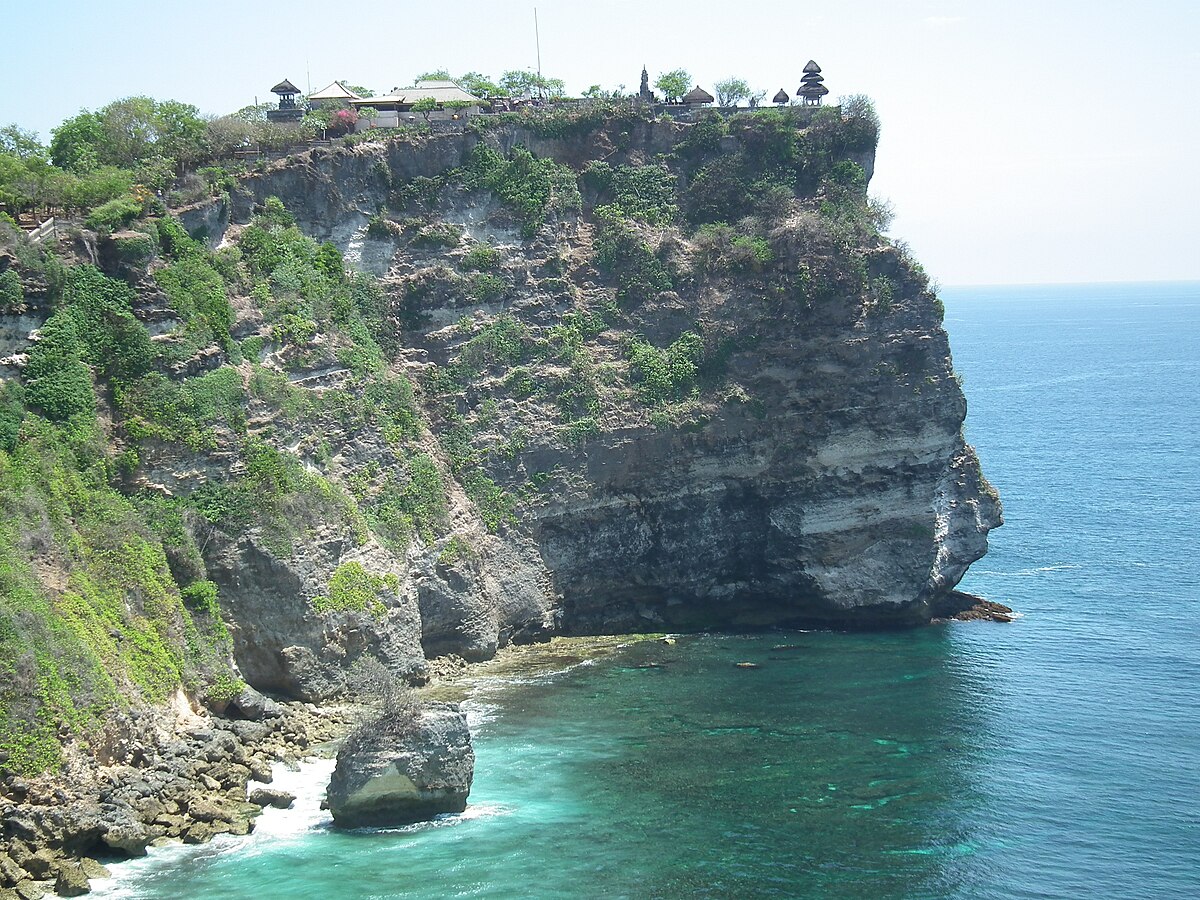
614	375
824	478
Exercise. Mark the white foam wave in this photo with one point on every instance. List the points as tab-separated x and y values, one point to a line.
307	782
472	813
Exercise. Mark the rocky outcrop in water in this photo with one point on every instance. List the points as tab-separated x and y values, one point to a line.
395	774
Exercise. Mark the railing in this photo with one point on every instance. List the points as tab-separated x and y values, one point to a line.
48	228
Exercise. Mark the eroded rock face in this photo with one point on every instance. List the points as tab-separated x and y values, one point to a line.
383	778
822	478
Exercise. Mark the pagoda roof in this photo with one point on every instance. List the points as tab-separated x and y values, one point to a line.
781	97
813	90
811	66
813	78
698	95
285	87
335	91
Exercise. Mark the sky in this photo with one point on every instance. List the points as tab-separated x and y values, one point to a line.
1023	141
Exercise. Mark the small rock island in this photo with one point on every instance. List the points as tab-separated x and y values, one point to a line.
400	769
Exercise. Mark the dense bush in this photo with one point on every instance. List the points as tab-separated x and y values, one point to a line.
719	248
664	375
134	250
113	340
482	257
412	500
115	214
644	193
353	589
12	293
622	253
534	189
12	413
60	385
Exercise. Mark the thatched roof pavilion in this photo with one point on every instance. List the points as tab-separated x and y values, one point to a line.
698	96
781	98
285	87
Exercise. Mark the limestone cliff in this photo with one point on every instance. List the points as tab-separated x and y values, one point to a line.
599	373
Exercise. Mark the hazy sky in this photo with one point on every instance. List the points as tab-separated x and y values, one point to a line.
1023	140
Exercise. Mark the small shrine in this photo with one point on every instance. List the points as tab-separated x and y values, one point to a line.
288	111
811	88
697	96
781	98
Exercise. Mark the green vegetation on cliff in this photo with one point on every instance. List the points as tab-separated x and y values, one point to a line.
179	399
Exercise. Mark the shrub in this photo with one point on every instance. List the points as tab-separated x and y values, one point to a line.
481	257
115	214
485	287
59	383
644	193
720	248
11	292
621	252
197	292
113	340
438	235
665	375
353	589
412	501
12	413
380	228
134	250
533	188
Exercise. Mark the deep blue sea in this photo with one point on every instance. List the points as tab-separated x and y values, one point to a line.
1057	756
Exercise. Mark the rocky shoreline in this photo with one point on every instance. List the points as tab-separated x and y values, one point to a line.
188	776
181	775
168	777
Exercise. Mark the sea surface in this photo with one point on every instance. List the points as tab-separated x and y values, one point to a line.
1057	756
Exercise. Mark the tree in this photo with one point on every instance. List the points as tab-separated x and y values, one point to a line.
227	134
457	106
181	133
479	85
435	75
674	84
732	91
523	83
357	89
73	144
369	113
425	106
130	130
20	143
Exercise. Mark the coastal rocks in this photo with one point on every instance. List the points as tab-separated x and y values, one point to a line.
187	785
274	797
387	776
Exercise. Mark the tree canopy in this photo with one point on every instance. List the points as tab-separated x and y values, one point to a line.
732	91
522	83
674	84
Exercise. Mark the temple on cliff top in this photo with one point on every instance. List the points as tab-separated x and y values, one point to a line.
450	102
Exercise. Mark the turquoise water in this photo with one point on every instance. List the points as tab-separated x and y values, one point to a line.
1053	757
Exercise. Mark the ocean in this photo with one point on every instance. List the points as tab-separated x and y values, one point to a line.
1056	756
